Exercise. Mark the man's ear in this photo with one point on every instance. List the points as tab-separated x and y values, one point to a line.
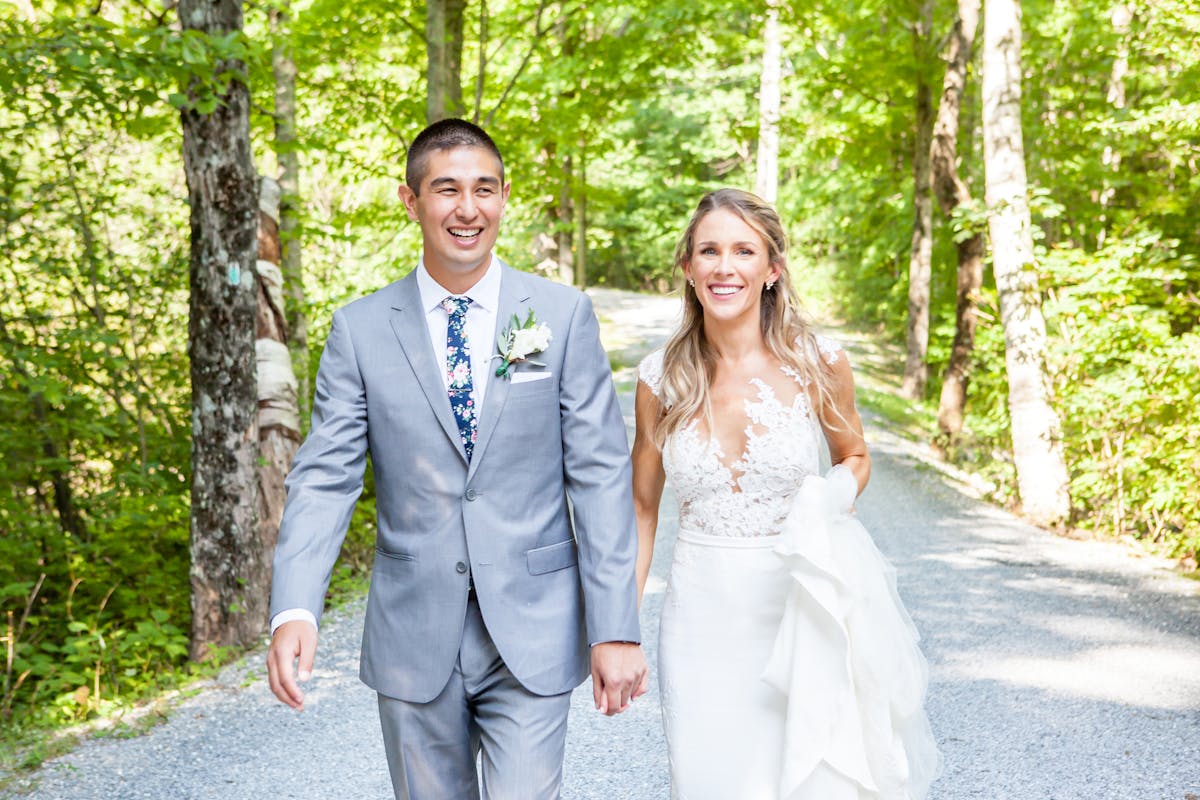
409	198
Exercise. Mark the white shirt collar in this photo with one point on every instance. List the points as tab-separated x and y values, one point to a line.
485	293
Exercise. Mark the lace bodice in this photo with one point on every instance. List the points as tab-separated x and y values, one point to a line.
782	447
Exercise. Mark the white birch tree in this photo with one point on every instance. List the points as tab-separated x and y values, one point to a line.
1037	449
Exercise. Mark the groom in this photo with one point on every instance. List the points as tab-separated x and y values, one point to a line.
489	595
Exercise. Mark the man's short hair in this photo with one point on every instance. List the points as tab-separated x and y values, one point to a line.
446	134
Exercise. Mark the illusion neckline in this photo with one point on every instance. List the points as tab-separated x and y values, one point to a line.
732	472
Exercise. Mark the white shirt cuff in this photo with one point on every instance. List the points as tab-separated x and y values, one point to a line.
290	615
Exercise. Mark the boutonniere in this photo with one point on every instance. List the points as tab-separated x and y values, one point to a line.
519	341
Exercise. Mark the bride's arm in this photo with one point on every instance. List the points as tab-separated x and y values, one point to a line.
648	479
842	425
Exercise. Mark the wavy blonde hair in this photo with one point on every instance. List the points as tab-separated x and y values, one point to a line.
690	360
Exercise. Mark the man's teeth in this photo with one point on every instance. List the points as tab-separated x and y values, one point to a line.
725	289
466	234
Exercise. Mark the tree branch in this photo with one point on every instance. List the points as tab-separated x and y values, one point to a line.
538	33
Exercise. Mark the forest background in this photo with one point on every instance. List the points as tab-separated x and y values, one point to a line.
614	117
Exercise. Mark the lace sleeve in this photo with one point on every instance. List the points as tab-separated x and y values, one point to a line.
829	350
650	372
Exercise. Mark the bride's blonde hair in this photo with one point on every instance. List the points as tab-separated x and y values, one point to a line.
690	360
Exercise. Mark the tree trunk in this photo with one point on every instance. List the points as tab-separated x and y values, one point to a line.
767	182
1121	17
443	47
481	71
70	521
921	253
565	214
952	193
581	221
289	204
229	593
566	206
278	412
1037	451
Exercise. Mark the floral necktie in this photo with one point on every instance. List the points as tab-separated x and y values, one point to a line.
458	371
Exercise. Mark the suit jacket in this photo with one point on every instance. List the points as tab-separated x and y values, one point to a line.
550	577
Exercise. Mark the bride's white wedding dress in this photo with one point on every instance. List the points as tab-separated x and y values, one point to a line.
788	667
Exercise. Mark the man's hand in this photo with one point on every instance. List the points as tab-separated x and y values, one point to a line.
293	641
619	674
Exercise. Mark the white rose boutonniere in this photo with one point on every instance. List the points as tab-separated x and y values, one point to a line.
519	341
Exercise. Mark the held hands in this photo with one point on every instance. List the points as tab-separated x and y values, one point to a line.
619	675
293	641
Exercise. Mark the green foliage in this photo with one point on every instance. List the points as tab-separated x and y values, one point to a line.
1125	381
93	443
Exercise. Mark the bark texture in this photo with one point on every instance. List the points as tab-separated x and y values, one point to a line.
1037	450
284	68
278	412
767	175
443	47
952	193
920	259
229	592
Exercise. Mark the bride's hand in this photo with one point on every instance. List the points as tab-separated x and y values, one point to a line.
843	488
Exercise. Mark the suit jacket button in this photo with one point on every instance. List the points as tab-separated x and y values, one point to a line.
471	494
461	567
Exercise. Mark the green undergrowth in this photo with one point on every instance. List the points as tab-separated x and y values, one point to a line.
982	449
102	706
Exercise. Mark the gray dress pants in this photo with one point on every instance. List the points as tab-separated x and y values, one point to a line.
484	713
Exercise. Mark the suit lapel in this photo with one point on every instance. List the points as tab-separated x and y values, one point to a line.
514	299
408	323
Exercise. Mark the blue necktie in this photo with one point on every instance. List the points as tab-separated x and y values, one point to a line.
458	371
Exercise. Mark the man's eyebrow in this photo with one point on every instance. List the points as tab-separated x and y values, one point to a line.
448	181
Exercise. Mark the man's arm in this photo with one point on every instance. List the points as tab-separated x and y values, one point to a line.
597	473
322	488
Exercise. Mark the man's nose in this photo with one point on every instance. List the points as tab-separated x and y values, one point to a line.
466	206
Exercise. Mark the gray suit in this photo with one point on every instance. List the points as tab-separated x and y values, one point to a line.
548	581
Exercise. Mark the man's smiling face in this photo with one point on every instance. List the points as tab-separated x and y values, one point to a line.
462	197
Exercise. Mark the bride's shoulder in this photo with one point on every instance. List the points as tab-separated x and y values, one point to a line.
650	371
817	345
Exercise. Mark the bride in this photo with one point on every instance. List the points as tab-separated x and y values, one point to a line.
788	668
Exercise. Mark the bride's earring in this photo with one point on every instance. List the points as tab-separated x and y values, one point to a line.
770	285
692	283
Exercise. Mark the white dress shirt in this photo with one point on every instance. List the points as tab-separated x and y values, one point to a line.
480	329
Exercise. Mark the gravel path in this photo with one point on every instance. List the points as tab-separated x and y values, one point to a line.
1061	669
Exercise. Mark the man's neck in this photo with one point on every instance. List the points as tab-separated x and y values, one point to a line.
456	281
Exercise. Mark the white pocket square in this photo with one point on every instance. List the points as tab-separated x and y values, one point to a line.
525	377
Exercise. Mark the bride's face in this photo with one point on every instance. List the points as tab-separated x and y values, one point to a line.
729	267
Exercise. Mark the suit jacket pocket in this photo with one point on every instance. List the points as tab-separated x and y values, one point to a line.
535	389
552	557
395	565
395	555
